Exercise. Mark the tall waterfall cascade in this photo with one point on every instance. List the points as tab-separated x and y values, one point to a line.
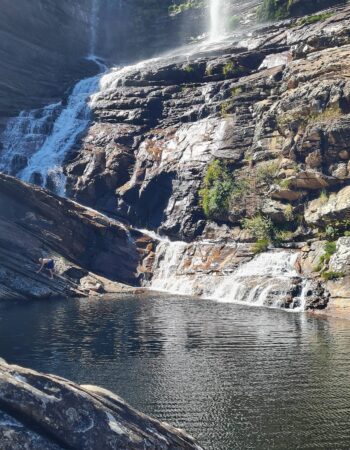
216	20
269	279
94	26
35	144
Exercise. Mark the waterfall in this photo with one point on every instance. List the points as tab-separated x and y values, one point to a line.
94	26
46	163
36	143
216	20
269	279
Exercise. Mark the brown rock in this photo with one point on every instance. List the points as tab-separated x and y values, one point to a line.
35	223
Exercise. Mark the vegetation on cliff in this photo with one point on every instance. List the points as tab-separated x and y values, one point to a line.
280	9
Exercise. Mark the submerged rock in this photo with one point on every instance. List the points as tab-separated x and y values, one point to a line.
46	412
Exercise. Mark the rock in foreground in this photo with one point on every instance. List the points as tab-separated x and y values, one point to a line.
45	412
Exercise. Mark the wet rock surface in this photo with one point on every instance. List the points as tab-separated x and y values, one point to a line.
39	411
92	253
277	98
158	125
269	102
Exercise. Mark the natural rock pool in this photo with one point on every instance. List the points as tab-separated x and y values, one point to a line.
234	377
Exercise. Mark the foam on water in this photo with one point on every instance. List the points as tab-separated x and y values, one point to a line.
266	280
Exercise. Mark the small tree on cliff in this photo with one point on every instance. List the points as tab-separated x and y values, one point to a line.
216	191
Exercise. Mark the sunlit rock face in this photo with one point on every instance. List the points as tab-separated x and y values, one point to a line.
91	252
278	95
45	412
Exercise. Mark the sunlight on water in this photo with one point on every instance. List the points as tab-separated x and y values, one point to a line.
233	377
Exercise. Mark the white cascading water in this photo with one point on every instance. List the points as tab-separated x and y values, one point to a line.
94	21
266	280
36	143
48	159
216	20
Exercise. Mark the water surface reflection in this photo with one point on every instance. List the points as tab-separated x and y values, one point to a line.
234	377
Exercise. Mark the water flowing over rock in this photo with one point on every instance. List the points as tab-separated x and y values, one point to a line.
41	140
216	20
45	412
269	103
229	273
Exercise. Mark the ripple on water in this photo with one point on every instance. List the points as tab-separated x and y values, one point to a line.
234	377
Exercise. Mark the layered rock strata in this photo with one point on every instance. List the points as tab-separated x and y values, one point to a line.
92	253
273	107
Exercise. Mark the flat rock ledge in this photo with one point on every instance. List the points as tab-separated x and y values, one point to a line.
46	412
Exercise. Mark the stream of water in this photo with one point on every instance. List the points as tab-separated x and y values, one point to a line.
234	377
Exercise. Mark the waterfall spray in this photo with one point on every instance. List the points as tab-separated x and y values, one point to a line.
93	26
216	22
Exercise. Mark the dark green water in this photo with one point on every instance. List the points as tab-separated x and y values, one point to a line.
234	377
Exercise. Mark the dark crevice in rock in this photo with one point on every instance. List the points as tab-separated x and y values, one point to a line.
34	426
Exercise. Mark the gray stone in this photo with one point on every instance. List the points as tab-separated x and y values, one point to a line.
45	412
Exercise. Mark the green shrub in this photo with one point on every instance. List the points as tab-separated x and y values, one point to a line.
191	4
224	108
285	183
323	197
240	190
233	22
283	236
273	10
330	248
260	227
236	91
261	246
232	68
315	18
288	213
188	69
331	232
216	189
267	173
332	275
330	113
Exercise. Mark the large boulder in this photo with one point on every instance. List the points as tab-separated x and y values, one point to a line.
340	260
336	207
45	412
89	248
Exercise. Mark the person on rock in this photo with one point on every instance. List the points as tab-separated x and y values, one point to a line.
48	264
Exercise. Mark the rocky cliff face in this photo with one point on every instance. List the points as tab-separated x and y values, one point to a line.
44	43
272	108
45	412
254	127
41	49
92	253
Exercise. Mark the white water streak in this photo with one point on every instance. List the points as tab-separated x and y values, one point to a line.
36	143
73	120
266	280
94	21
216	20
